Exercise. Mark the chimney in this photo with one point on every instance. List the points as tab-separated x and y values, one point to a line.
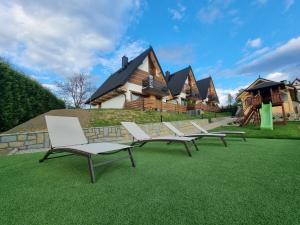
167	75
124	61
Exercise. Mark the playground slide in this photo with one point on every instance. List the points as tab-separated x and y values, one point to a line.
266	116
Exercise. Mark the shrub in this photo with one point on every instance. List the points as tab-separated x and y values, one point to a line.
22	98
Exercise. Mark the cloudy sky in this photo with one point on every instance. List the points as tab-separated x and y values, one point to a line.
233	41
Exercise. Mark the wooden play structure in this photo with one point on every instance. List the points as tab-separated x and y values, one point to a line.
263	93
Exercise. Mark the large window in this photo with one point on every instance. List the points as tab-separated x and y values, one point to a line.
135	97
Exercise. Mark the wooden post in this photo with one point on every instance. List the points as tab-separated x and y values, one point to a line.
283	114
271	92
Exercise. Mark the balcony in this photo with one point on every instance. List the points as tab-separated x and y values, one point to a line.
154	104
192	95
154	87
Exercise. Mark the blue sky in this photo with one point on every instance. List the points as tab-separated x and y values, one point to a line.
233	41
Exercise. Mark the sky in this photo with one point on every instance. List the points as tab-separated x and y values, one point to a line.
232	41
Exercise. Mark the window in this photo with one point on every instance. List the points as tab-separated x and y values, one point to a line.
134	97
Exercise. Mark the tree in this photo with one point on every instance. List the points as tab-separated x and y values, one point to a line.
229	97
77	88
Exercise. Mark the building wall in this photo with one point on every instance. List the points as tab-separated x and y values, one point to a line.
145	65
114	103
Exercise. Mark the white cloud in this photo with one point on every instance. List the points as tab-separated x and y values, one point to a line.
253	55
284	58
223	94
278	76
114	62
288	4
52	87
62	36
254	43
178	13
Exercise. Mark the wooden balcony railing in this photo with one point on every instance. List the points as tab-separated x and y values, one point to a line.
146	103
154	87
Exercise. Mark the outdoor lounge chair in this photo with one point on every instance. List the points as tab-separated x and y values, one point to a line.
140	137
239	133
66	135
196	135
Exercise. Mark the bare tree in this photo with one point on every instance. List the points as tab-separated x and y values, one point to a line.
77	88
229	99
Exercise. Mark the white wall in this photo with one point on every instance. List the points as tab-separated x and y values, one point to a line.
145	65
132	87
114	103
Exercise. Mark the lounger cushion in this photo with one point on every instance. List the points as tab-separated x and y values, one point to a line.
173	138
65	131
96	148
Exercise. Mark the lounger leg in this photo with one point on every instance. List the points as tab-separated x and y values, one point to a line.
45	156
224	141
187	149
91	168
131	158
243	136
143	143
195	145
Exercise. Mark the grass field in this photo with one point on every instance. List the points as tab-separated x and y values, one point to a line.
253	182
289	131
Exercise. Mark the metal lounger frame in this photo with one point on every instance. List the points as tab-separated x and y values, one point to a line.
143	142
91	165
199	136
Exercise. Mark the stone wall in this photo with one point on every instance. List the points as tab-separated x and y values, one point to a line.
40	140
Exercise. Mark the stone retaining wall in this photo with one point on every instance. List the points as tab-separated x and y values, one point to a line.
40	140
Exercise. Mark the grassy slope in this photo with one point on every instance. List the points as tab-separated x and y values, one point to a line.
291	131
106	117
114	117
254	182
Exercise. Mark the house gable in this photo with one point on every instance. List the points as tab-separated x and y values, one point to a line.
252	85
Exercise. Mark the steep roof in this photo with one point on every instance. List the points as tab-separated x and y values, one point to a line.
121	76
203	86
268	84
177	79
251	85
297	79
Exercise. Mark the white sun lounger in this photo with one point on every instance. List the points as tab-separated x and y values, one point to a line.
140	137
66	135
240	133
196	135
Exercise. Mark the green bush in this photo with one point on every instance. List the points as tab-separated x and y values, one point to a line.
22	98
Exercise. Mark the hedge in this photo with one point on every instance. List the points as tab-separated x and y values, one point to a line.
22	98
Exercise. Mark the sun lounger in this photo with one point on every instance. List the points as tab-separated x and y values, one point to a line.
196	135
239	133
66	135
140	137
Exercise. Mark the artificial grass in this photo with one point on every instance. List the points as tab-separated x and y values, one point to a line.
289	131
253	182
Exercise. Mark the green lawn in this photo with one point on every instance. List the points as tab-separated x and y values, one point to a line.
253	182
289	131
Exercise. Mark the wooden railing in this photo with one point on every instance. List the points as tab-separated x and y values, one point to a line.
147	103
276	98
